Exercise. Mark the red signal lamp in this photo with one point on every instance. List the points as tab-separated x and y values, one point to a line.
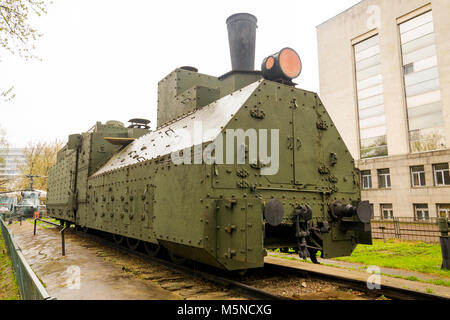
282	66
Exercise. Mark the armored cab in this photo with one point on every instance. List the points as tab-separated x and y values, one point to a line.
238	164
82	155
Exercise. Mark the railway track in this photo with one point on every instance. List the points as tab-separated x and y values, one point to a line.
393	293
259	284
247	291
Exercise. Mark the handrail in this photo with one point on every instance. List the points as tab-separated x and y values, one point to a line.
30	286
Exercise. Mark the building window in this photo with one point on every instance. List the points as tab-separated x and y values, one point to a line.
387	212
366	179
418	176
384	179
421	212
370	92
441	174
443	210
422	87
409	68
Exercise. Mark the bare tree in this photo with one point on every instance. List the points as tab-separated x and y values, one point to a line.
17	35
7	95
3	145
39	158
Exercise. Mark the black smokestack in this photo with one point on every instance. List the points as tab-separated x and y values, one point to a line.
242	40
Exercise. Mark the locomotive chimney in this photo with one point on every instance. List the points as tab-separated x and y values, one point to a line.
242	38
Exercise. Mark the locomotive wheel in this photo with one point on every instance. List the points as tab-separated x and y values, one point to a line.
152	249
117	239
133	243
176	259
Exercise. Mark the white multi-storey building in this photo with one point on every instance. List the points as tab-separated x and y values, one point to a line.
384	69
10	161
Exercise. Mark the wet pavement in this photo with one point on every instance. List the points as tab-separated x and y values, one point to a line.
82	274
92	271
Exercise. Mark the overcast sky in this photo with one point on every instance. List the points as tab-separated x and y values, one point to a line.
102	59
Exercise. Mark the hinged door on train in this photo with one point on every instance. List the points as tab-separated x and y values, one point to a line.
239	233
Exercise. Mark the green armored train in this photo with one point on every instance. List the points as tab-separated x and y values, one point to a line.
238	164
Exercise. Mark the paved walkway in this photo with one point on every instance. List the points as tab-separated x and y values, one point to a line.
98	280
357	271
363	267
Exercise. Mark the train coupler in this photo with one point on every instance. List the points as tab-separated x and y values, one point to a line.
303	214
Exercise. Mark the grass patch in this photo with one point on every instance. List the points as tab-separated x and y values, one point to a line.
396	254
413	256
8	285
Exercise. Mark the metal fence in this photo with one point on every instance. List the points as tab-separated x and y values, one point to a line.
407	229
30	286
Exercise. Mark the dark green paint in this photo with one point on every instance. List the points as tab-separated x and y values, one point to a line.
213	213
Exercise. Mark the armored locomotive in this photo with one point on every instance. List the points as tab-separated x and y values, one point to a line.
203	185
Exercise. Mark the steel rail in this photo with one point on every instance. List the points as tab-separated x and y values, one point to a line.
251	292
241	288
391	292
